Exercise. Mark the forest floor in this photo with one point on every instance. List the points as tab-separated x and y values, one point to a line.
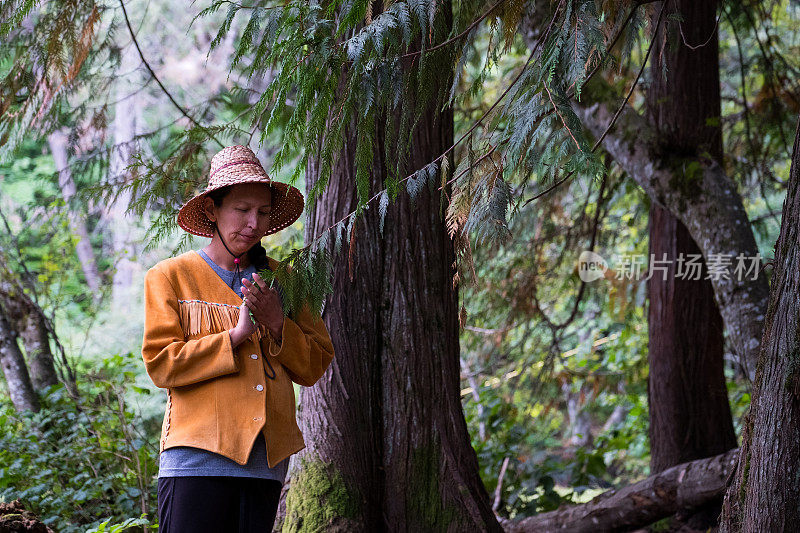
14	518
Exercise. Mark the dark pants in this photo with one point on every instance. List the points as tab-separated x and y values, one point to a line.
217	504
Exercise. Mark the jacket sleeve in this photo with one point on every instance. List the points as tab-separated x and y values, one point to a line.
305	350
170	360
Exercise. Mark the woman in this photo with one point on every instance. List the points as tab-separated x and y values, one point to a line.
229	425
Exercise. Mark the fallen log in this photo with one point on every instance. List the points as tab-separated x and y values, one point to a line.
684	486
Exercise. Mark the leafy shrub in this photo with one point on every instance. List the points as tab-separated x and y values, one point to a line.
87	463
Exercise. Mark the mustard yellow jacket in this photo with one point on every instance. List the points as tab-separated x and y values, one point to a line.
219	398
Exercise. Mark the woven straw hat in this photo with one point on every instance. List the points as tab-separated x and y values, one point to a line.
233	165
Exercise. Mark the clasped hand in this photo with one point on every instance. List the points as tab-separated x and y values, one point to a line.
265	304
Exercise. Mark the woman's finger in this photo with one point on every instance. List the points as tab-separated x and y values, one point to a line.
260	300
260	283
255	295
263	300
255	290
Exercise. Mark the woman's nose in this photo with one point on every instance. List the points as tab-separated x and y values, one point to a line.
252	220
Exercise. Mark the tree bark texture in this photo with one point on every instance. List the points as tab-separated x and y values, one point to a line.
387	444
36	340
685	486
690	416
15	371
765	493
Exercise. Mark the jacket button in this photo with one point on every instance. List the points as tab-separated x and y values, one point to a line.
256	418
259	388
253	356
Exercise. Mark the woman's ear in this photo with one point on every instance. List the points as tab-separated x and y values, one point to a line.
208	209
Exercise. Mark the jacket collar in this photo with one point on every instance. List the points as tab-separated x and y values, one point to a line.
218	290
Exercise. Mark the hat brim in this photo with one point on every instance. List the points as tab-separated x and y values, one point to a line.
287	206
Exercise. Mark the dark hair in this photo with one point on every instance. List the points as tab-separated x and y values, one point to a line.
257	255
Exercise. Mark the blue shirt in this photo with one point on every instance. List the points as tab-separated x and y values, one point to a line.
188	461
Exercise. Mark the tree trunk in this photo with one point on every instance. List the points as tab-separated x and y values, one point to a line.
58	148
37	347
387	442
704	199
17	379
684	486
765	494
126	124
475	387
579	421
27	319
690	416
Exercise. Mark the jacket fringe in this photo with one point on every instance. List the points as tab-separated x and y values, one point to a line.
199	316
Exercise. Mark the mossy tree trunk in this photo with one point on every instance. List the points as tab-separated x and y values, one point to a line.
765	492
690	417
387	442
36	340
26	319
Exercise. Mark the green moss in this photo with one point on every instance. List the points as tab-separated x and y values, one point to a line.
743	485
686	176
665	524
744	450
425	492
318	497
791	381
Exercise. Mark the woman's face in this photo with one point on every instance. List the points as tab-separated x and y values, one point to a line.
243	217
